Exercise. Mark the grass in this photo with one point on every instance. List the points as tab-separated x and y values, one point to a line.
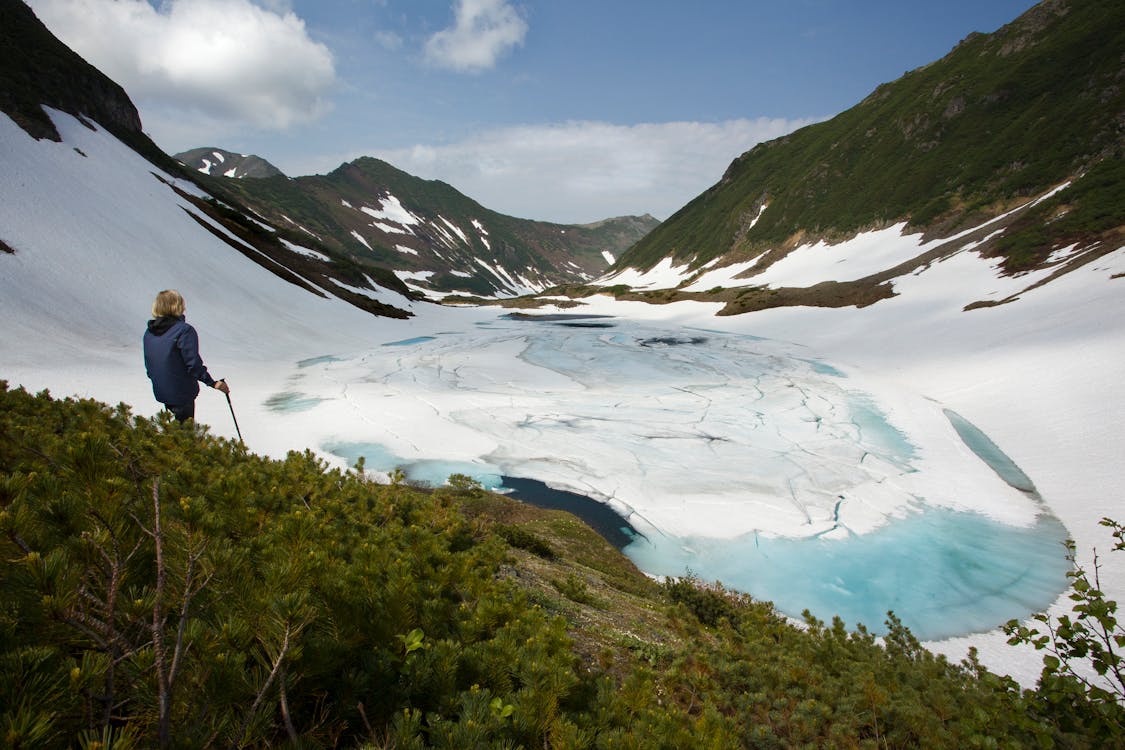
570	570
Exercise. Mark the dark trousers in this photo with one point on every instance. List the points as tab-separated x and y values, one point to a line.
182	412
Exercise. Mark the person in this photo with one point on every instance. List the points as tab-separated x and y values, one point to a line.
172	357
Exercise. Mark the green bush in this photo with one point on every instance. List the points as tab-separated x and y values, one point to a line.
575	589
523	539
710	604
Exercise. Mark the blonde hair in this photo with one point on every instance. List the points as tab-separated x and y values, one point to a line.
168	302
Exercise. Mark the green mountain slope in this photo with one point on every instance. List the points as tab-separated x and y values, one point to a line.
379	215
1003	117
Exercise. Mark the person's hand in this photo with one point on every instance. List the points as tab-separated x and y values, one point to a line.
221	385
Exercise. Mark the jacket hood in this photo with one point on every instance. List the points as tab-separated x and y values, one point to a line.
159	326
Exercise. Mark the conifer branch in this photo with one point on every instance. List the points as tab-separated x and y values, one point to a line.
158	651
19	542
262	693
284	701
180	649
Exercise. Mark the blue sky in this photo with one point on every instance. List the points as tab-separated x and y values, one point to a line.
561	110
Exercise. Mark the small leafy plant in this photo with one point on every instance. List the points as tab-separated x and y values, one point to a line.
1083	663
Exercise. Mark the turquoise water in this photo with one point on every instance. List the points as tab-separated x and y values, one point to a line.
822	368
552	317
428	471
288	402
878	434
409	342
944	573
990	453
598	516
318	360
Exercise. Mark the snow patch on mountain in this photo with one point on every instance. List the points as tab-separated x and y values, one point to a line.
761	211
445	237
388	228
455	228
306	230
412	279
866	254
664	275
359	237
483	233
374	292
390	209
863	255
515	286
308	253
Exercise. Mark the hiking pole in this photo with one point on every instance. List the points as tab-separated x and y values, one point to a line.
235	419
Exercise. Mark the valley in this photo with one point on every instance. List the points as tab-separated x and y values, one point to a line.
876	367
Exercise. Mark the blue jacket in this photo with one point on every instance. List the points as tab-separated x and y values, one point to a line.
172	361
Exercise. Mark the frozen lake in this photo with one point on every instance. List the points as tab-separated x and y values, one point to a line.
741	459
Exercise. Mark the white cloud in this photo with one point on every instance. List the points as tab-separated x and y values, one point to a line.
585	171
201	63
483	30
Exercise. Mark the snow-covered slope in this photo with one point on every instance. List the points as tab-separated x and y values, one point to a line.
96	231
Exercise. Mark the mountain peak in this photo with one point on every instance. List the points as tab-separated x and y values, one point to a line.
220	162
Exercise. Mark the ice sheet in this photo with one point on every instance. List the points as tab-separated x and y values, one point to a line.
718	447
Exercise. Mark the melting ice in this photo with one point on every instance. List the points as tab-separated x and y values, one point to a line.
742	460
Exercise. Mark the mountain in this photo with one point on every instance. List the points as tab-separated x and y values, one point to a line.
983	135
434	236
434	242
41	79
211	160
